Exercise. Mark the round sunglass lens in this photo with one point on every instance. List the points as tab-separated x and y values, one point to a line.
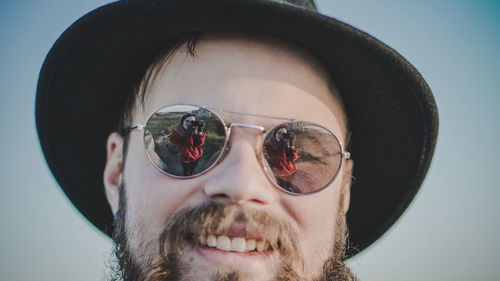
302	157
184	140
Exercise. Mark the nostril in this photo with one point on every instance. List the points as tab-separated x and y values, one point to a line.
257	201
219	196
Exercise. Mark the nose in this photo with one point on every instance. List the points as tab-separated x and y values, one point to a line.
240	178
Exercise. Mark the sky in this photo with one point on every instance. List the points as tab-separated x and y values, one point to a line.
449	232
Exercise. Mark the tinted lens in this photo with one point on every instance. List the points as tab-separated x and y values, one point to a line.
184	140
302	157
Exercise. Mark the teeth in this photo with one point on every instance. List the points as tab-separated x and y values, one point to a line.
250	245
223	243
234	244
211	241
238	244
203	240
260	245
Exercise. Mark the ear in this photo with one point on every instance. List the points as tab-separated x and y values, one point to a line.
346	185
113	169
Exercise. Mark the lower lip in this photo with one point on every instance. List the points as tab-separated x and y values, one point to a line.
232	259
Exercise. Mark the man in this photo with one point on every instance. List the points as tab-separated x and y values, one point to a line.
251	67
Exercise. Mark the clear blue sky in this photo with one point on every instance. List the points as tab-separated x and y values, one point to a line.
451	230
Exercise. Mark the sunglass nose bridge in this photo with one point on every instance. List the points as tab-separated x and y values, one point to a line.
260	129
250	126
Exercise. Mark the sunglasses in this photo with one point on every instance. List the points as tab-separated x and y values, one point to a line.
186	141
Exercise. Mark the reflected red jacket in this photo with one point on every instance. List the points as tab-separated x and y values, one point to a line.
188	146
282	163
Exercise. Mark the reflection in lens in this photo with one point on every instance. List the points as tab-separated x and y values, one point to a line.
302	157
184	140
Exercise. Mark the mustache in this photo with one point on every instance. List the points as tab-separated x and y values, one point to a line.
185	227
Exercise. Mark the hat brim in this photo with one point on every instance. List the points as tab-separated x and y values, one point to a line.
95	62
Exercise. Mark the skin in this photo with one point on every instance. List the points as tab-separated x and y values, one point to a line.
244	75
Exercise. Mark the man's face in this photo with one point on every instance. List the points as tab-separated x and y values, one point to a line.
247	76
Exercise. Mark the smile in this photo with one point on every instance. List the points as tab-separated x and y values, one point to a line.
234	244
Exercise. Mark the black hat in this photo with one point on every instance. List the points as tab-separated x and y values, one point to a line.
95	62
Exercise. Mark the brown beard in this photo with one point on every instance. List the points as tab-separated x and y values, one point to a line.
178	234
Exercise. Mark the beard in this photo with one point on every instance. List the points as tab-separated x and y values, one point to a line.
185	227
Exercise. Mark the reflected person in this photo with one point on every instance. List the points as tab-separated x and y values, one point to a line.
189	138
282	155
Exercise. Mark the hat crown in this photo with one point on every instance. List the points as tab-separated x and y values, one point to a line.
307	4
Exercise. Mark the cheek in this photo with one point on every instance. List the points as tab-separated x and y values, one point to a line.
151	195
316	212
315	216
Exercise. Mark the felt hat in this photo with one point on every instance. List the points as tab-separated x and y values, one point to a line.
96	61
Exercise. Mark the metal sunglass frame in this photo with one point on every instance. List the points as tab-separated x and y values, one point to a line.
225	149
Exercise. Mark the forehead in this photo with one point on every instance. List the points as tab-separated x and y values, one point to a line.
248	74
